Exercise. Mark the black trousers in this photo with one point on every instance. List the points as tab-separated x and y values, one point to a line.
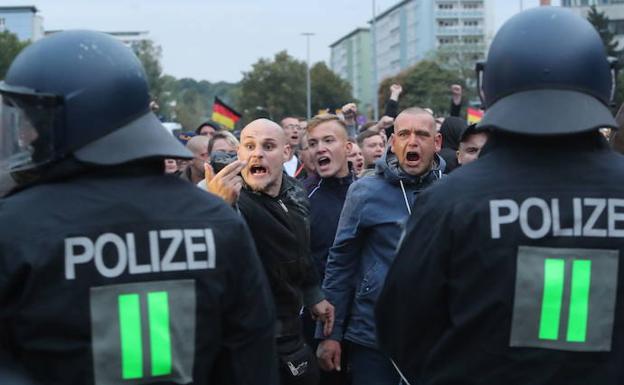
297	362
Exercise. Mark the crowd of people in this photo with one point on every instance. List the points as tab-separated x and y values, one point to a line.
313	252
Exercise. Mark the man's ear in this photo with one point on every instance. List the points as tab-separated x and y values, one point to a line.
457	156
349	147
438	142
391	143
287	151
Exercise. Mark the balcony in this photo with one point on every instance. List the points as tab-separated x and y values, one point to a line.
447	13
447	31
471	31
472	13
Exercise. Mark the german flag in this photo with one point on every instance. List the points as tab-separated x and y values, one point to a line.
223	114
474	115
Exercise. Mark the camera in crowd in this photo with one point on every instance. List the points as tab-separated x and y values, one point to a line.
220	159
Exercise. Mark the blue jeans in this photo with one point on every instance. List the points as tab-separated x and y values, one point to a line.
371	367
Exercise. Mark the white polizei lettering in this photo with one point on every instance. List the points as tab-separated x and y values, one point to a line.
154	251
497	219
599	205
577	210
615	217
167	263
210	244
193	248
120	254
114	255
524	218
556	220
133	265
72	257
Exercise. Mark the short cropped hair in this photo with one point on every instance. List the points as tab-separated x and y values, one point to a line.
225	135
324	118
365	135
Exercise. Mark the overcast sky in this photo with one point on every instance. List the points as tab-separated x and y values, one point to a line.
219	39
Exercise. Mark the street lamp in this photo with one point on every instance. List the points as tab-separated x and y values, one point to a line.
374	38
308	92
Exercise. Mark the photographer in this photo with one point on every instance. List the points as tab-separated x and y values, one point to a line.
276	210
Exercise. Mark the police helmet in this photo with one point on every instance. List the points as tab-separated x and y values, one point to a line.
547	73
82	94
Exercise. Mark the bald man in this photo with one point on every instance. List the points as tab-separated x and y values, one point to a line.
276	210
194	172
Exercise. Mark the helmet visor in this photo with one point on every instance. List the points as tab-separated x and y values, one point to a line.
26	131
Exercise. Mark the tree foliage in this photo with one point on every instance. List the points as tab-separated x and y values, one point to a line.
425	85
194	99
10	46
149	54
277	88
601	22
328	90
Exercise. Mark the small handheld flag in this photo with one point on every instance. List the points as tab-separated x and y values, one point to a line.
224	114
474	115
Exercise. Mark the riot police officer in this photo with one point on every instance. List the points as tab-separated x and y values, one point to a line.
509	272
110	271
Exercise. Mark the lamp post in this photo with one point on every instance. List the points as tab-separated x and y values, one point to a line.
374	39
308	91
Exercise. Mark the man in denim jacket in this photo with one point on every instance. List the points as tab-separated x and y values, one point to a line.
368	232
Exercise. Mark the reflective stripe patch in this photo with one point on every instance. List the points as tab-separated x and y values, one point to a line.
160	339
564	298
579	301
130	333
144	332
551	302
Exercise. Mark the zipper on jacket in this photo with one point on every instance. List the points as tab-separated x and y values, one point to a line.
282	204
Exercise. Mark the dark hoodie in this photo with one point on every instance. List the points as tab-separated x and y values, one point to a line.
451	131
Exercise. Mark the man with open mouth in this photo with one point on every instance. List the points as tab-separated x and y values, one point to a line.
276	210
291	128
368	233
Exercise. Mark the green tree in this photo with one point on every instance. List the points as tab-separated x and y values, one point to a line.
10	46
149	54
601	22
425	84
277	88
328	90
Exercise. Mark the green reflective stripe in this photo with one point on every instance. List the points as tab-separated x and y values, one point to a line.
130	334
160	339
579	301
554	270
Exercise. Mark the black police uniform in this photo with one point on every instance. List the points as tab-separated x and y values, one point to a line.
86	263
110	271
509	268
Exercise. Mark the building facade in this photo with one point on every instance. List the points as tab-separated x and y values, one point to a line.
24	21
413	30
613	9
351	58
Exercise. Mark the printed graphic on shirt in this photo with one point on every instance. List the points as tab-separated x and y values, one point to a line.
143	332
564	298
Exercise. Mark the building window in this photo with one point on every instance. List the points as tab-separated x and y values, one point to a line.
445	6
617	26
